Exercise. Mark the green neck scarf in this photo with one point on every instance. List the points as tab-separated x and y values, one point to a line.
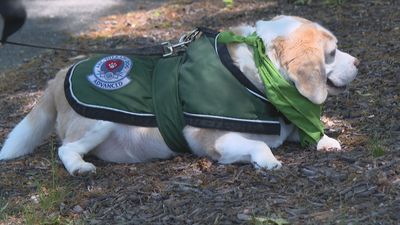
283	95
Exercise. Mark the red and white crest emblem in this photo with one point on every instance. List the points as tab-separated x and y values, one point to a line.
110	72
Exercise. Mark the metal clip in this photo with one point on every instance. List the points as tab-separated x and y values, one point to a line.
189	37
168	48
184	40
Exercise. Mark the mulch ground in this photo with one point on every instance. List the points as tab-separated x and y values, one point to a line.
359	185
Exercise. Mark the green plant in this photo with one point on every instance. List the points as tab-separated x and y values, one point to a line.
29	215
45	207
334	2
3	207
377	150
228	3
302	2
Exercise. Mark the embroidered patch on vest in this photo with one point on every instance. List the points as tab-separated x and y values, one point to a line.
110	73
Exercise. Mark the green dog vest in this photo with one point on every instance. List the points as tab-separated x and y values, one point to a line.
200	87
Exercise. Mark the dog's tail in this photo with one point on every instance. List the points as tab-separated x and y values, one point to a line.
35	127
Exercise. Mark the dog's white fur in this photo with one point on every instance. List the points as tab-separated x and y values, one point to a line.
304	52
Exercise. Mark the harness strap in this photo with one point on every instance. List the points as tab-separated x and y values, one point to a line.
167	103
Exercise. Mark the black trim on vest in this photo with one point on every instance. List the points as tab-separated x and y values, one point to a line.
208	32
104	114
226	59
231	125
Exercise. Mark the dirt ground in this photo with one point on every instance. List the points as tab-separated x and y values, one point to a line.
360	185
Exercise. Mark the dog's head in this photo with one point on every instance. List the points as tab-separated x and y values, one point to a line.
307	55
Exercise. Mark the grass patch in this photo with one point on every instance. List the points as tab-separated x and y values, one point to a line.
377	150
3	207
302	2
334	2
228	3
46	205
376	147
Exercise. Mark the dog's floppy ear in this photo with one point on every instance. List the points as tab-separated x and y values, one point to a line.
301	55
308	75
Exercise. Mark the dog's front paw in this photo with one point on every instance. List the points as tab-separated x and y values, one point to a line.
82	169
328	144
273	164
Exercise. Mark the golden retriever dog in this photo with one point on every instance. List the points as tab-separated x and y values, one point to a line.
304	52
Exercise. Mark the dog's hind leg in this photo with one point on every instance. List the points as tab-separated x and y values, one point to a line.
234	147
71	153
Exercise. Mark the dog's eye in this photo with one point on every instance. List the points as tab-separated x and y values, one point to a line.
332	53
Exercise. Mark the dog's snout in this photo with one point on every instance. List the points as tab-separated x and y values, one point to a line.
356	62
